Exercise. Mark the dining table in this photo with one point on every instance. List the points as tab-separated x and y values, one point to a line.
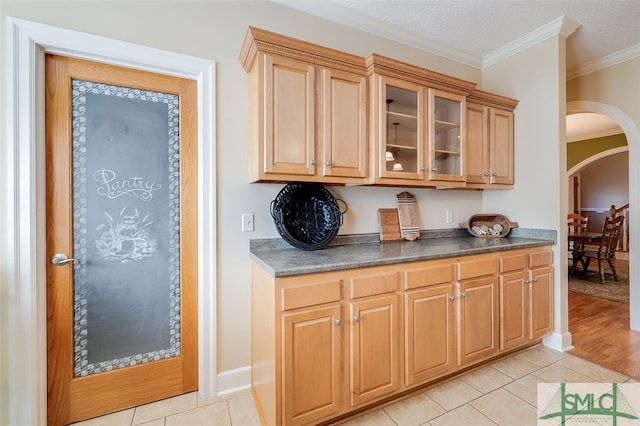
580	238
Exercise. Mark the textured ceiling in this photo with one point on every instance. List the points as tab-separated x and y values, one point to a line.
476	29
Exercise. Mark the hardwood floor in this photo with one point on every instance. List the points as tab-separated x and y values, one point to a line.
600	332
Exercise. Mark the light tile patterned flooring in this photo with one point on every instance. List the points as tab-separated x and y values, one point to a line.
503	393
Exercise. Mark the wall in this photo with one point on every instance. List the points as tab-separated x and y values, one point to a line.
604	183
215	30
536	78
581	150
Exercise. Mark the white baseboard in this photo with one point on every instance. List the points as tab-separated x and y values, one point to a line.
560	342
232	381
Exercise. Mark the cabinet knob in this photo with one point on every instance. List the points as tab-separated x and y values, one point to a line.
463	294
312	162
526	281
338	322
452	298
422	169
356	318
494	174
434	170
328	163
485	174
535	280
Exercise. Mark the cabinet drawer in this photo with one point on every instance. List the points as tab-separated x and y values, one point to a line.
541	258
310	294
375	284
477	267
440	274
513	263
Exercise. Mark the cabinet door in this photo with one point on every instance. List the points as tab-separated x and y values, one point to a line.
375	340
514	309
447	118
477	143
477	319
289	123
541	301
429	333
399	128
311	364
501	146
344	124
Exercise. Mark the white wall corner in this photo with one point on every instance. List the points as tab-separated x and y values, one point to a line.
560	342
232	381
568	26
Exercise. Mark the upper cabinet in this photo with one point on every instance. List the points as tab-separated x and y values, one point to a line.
321	115
446	136
417	125
490	141
307	111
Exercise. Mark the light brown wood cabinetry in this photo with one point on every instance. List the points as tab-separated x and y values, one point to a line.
430	321
490	141
307	111
311	364
478	308
447	124
374	347
526	296
417	125
326	344
321	115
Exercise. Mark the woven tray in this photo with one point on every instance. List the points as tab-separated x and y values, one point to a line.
306	215
489	225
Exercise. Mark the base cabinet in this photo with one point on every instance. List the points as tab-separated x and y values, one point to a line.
326	344
311	364
374	348
526	296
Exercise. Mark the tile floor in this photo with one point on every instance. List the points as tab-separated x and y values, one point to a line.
503	393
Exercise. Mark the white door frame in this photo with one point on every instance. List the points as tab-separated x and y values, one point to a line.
25	255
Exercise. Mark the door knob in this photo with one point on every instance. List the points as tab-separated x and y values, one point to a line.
60	259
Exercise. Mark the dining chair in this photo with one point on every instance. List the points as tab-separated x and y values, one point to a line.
606	249
576	222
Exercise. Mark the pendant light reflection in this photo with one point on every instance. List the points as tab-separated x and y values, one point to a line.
397	166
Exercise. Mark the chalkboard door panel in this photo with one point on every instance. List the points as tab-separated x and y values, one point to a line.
121	176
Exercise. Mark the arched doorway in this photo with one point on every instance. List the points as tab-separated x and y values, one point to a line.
632	134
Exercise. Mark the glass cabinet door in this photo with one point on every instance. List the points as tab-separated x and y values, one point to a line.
446	136
402	155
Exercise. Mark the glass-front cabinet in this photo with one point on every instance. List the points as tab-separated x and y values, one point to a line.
418	134
446	136
401	130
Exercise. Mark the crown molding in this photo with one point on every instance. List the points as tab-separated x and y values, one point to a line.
604	62
596	134
563	26
345	16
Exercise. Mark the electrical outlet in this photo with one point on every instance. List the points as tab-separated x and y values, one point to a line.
247	222
449	216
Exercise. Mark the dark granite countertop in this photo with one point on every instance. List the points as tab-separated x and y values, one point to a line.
348	252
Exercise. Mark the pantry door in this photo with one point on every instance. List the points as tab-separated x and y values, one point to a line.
121	188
